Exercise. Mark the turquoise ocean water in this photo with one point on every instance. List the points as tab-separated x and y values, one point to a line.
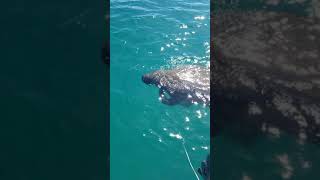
146	135
53	106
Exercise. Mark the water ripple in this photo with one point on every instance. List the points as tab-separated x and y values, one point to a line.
145	36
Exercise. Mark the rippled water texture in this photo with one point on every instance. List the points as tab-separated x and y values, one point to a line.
146	135
272	156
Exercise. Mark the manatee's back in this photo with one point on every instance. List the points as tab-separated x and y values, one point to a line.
195	78
283	47
272	58
276	40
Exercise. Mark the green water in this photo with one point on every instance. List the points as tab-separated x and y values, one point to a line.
53	91
146	135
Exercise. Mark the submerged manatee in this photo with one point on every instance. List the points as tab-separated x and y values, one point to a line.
205	168
266	68
181	85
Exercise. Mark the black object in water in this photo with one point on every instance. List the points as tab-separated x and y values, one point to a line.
106	53
204	170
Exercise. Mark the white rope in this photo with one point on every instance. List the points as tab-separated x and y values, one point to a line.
185	150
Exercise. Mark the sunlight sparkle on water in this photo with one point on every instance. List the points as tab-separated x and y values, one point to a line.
178	136
183	26
205	147
187	119
199	114
199	18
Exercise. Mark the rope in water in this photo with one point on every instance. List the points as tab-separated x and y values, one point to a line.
185	150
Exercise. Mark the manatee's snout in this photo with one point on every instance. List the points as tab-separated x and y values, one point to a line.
148	79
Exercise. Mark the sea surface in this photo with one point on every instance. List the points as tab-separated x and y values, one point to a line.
148	137
53	95
53	107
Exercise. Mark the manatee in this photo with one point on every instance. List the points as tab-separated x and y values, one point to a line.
185	84
204	169
266	68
